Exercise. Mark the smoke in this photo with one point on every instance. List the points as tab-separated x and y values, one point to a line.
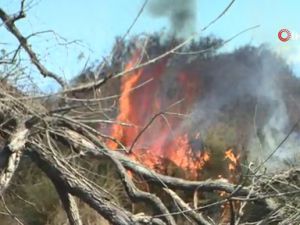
180	13
244	92
239	99
277	124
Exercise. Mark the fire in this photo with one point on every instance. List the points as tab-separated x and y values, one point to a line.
164	141
234	160
158	138
128	83
233	165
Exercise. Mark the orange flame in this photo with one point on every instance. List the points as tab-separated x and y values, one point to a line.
164	139
234	160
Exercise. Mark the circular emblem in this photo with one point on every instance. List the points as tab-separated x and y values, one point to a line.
284	35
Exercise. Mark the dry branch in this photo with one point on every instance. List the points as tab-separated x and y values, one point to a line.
11	155
67	181
171	182
137	195
9	22
90	147
71	184
69	204
197	217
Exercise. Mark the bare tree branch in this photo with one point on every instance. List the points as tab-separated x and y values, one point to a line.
11	155
138	195
9	22
56	171
70	205
197	217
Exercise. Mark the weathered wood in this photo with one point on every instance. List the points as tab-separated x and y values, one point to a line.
11	155
197	217
137	195
69	205
74	185
87	147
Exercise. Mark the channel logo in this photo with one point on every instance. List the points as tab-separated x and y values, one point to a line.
285	35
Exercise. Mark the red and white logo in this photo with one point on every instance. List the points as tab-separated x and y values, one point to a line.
284	35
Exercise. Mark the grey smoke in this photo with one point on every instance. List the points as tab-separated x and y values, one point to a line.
274	130
255	82
180	13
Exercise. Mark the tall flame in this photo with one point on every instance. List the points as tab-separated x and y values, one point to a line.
157	138
164	139
153	100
